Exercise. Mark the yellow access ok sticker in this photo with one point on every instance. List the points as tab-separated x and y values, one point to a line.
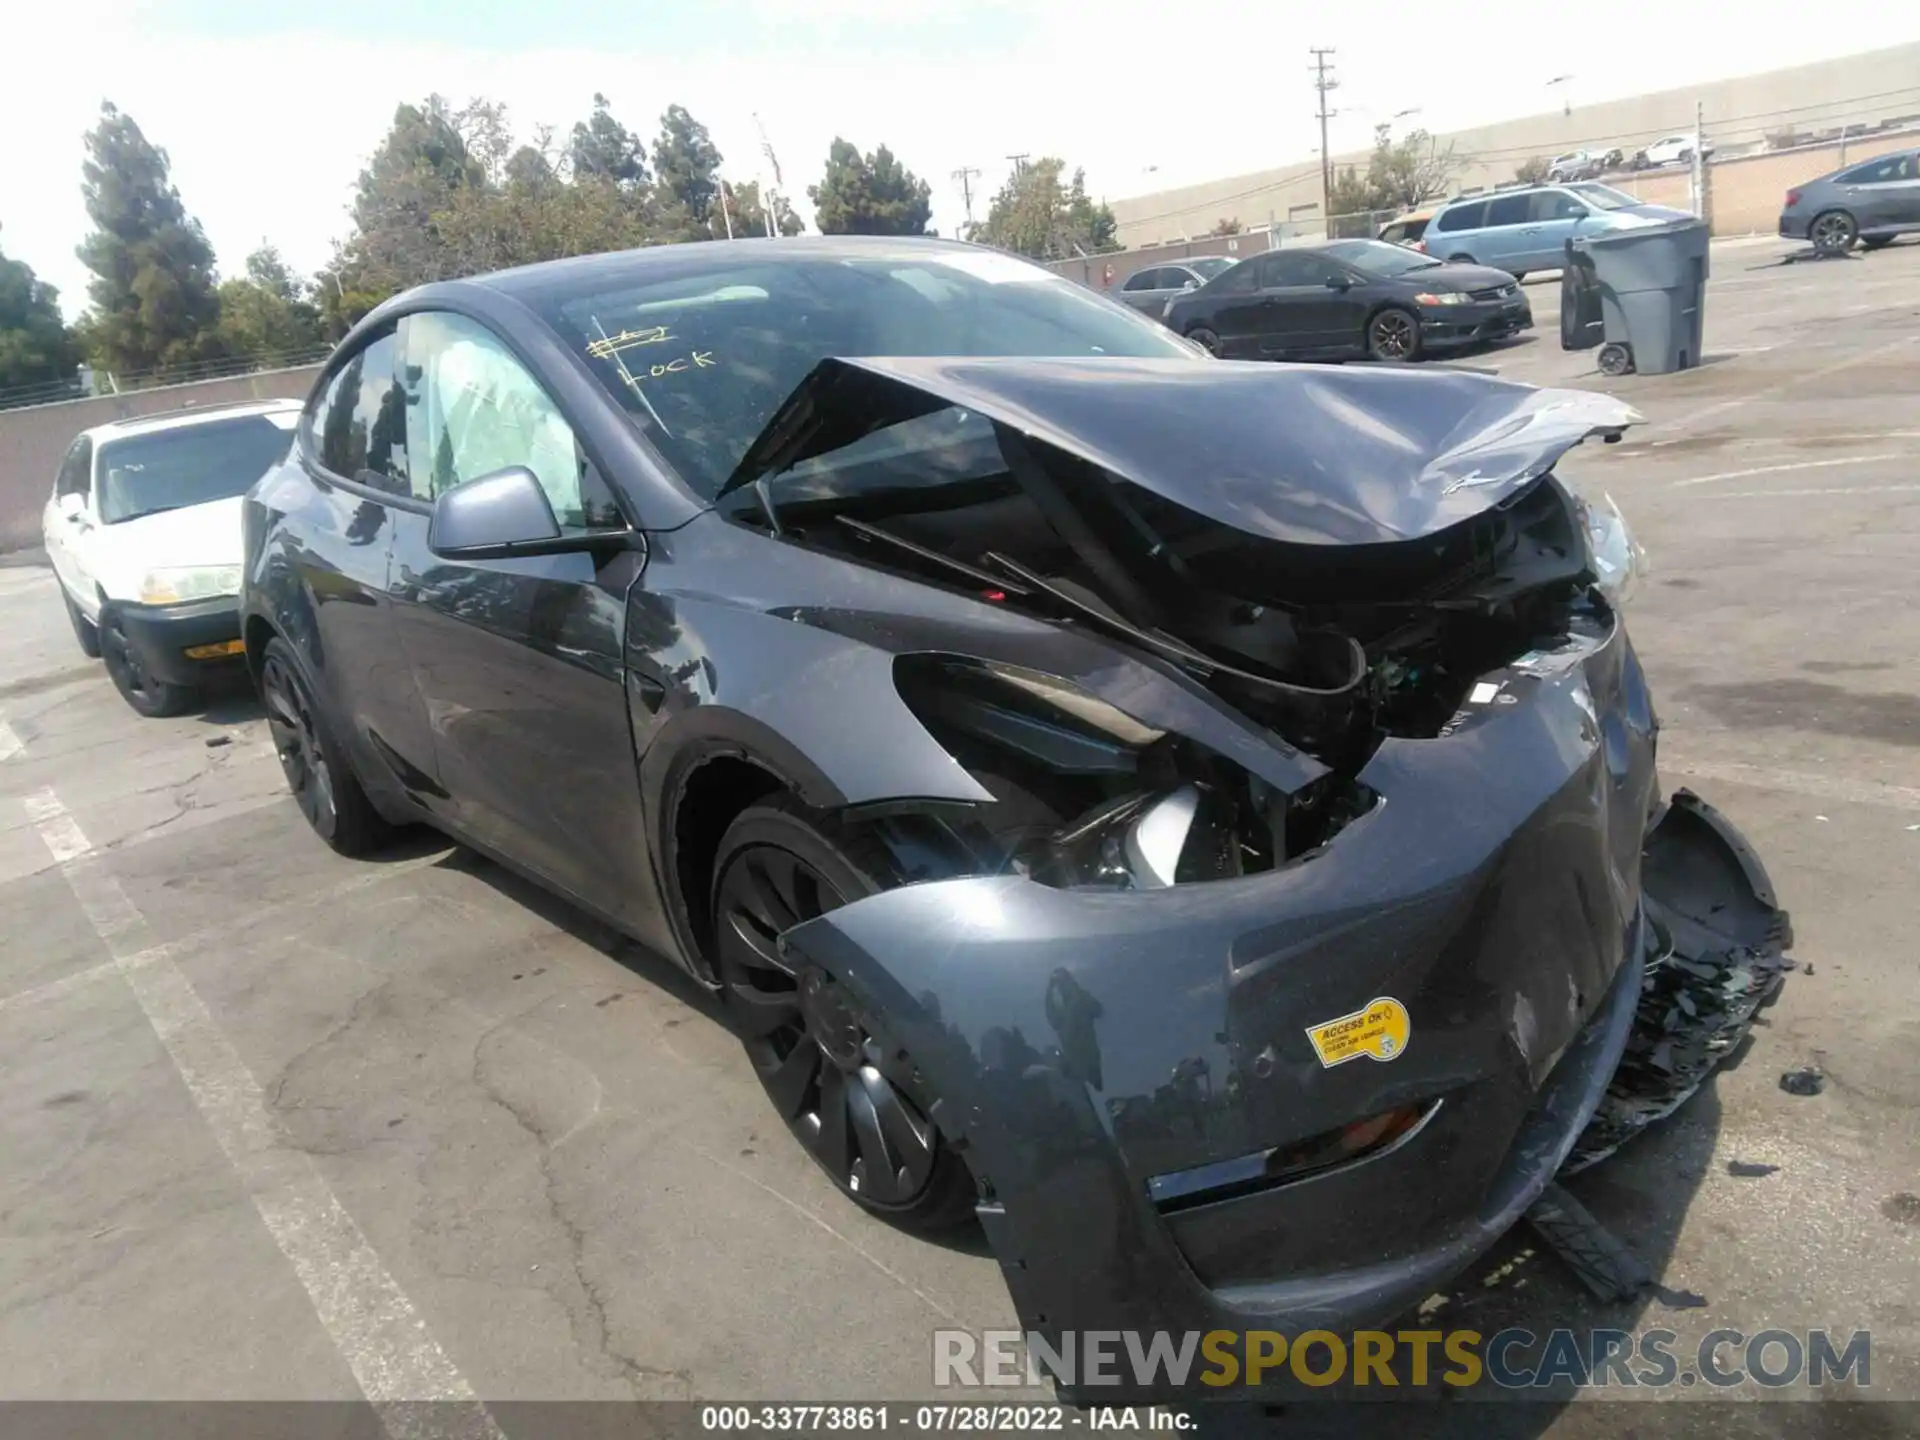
1381	1031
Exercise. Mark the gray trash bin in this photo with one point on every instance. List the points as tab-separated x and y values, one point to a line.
1652	284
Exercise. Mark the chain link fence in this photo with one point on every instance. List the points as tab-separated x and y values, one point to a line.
86	382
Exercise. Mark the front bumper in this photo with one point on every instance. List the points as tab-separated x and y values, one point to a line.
1474	324
1086	1044
161	635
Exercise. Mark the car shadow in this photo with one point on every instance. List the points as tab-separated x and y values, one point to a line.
1642	1194
645	964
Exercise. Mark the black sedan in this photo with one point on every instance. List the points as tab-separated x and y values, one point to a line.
1188	814
1348	299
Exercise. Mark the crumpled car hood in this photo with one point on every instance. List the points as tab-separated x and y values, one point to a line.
1301	454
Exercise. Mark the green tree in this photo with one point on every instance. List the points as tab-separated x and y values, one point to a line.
36	348
687	164
1398	177
749	212
153	298
265	312
603	147
1036	214
413	175
869	194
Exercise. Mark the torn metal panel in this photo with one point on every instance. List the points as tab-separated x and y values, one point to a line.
1299	454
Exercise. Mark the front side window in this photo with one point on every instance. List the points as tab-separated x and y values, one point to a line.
472	408
1145	280
358	424
1556	205
188	464
703	352
1243	279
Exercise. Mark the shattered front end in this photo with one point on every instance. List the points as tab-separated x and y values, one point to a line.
1323	873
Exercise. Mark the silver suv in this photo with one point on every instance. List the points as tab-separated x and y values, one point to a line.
1527	228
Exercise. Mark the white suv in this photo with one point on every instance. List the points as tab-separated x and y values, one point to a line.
143	529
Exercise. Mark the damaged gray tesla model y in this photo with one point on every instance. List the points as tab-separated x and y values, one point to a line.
1199	817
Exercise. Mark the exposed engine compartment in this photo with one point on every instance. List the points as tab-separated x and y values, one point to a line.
1329	647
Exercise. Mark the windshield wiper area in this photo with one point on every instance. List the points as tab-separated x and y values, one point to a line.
142	514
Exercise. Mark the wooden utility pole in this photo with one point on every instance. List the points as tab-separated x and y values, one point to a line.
965	176
1702	172
1323	81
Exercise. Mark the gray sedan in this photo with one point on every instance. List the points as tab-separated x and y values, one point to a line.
1871	202
1150	289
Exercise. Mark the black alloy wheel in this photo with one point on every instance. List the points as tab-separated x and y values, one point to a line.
1205	339
1833	233
323	786
1393	334
858	1107
148	696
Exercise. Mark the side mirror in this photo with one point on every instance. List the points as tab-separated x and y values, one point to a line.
1339	282
1191	285
73	506
495	516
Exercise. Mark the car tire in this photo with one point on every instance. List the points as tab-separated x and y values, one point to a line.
84	630
148	696
1875	242
318	772
811	1048
1205	339
1833	232
1393	334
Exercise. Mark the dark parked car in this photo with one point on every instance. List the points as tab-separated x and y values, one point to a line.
1221	875
1871	202
1348	299
1149	290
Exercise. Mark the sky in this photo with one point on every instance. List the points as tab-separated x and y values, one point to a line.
269	110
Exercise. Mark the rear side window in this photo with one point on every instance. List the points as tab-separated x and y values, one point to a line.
1880	172
358	425
1508	210
1243	279
1462	217
76	470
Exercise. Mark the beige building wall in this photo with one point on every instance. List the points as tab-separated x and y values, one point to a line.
1813	101
33	439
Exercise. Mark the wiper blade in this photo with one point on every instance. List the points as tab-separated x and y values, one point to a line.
932	557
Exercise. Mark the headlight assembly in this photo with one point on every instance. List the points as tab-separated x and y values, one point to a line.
1448	297
1616	557
189	582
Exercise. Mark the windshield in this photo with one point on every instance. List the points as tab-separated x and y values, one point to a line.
1211	265
1603	197
1377	257
189	465
704	360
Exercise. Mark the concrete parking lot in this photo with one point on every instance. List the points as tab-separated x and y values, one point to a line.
278	1125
